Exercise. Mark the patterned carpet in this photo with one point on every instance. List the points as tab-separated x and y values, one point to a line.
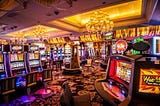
80	84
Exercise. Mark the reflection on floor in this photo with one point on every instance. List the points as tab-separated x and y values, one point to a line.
80	84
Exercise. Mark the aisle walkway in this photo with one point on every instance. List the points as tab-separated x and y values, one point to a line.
80	84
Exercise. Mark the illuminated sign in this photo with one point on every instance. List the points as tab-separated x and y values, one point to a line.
149	81
121	46
156	45
16	48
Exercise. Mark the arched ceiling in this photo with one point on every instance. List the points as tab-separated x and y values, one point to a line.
70	16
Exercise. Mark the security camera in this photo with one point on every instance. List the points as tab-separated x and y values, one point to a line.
56	12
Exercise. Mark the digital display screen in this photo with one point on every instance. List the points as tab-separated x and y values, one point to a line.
17	65
36	56
20	56
156	45
43	52
1	67
17	48
123	70
33	56
1	58
149	81
14	57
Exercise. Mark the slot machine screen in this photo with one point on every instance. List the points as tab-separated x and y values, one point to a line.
43	52
20	56
31	56
123	70
14	57
36	56
1	58
149	81
1	67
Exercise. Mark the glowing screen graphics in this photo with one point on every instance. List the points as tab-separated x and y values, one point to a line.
1	67
121	46
33	56
14	57
43	52
17	57
17	48
1	58
156	45
124	71
149	81
113	48
20	56
36	55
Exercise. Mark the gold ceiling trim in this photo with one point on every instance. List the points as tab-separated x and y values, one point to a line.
30	31
65	25
132	11
116	12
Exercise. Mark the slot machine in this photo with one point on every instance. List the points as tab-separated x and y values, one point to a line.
34	60
17	64
3	70
131	80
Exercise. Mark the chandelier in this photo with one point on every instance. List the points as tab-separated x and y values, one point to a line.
39	33
17	38
99	23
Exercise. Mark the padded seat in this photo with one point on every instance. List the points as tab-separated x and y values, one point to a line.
66	98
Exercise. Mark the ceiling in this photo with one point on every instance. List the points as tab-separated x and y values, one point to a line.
69	16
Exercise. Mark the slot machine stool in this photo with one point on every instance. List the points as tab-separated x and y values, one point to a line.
31	80
7	86
46	76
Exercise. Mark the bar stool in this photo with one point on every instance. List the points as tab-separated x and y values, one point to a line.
46	76
31	80
7	86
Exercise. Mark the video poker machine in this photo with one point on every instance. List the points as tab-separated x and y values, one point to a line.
3	70
34	60
17	64
131	81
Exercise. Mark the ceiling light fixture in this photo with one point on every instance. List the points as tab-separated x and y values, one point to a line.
99	23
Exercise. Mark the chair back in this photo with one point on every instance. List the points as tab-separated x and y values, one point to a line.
31	79
46	75
7	85
66	98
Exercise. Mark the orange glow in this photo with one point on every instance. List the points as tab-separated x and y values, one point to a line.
149	81
116	13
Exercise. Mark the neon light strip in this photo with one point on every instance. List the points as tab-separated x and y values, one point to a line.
154	45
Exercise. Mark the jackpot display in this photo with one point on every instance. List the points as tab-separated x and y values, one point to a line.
123	71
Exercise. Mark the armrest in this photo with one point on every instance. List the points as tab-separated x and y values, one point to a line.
82	100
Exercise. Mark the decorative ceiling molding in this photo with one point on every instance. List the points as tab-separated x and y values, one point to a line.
47	2
9	5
